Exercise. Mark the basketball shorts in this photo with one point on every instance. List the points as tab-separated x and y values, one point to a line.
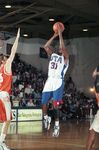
5	107
53	88
95	124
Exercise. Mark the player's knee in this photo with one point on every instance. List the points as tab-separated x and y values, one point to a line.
56	113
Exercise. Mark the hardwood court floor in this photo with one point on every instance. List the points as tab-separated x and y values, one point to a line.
32	136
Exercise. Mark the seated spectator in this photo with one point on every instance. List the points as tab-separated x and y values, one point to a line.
68	94
21	85
32	76
73	109
27	91
40	90
65	111
37	95
34	86
12	96
64	98
87	108
30	103
18	78
21	93
24	78
16	91
69	100
22	103
18	97
15	103
14	78
75	99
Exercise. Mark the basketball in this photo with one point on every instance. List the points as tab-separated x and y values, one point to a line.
55	26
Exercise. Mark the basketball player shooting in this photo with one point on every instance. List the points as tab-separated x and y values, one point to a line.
5	89
95	124
55	83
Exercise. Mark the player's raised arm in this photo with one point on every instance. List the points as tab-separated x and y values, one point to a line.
13	51
46	46
62	45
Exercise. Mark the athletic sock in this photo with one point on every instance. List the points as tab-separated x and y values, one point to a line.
2	137
56	123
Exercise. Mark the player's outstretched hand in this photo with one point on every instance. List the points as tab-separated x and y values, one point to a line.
60	29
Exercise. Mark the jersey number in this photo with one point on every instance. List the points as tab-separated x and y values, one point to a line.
53	65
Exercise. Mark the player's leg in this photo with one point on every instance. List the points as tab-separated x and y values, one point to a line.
90	140
58	85
5	116
56	126
47	119
3	135
46	96
44	109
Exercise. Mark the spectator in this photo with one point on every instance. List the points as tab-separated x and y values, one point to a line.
65	111
30	103
18	78
14	78
21	85
73	109
18	97
12	96
68	94
27	91
21	93
37	95
22	103
15	102
16	91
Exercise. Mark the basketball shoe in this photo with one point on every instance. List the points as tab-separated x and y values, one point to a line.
47	123
3	146
56	131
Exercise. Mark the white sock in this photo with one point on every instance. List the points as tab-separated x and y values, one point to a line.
46	116
56	123
3	137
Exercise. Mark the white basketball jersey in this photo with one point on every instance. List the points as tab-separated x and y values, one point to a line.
57	66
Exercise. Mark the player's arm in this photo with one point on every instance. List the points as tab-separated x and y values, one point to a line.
46	46
13	51
62	45
94	74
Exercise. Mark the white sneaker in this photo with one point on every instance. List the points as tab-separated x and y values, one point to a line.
56	131
47	123
3	146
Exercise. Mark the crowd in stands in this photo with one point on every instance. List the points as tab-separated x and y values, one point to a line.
27	86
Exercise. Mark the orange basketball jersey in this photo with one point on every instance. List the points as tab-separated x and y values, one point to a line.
5	80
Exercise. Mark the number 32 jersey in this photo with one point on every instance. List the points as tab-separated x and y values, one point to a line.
5	80
57	66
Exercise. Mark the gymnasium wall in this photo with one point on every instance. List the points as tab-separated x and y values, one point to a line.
83	53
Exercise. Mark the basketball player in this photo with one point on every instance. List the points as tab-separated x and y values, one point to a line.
5	89
55	83
95	125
